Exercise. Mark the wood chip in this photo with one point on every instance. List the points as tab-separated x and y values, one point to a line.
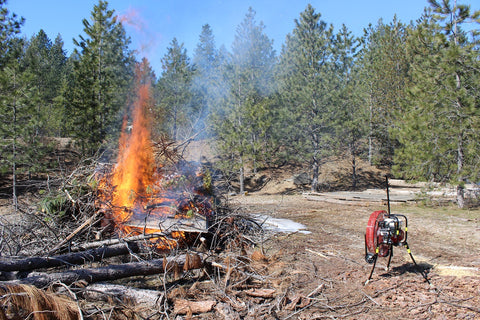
182	306
262	293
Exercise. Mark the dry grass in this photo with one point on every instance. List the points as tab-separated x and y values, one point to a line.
27	302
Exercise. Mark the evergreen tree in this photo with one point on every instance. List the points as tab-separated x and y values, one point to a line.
14	102
46	63
101	78
241	124
384	66
62	102
207	83
307	85
440	135
350	116
10	25
175	97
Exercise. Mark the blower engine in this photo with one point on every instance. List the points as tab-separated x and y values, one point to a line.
385	231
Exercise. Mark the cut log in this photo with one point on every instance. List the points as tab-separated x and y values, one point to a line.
150	299
112	272
77	258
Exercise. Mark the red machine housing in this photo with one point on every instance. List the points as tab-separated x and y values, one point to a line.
383	231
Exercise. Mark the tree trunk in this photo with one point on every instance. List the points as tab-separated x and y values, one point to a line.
370	134
354	171
315	171
460	196
175	264
14	150
242	180
110	242
460	163
69	259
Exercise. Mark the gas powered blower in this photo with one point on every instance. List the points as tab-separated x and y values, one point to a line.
385	231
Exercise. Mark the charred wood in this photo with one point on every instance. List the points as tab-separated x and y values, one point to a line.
69	259
175	264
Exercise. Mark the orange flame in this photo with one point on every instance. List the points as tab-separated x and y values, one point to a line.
138	185
133	174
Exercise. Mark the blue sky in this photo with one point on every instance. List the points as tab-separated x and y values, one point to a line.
162	20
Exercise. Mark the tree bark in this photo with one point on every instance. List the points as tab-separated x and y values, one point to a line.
460	163
315	172
354	165
242	180
78	258
460	196
175	264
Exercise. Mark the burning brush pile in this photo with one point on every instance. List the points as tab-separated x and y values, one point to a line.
150	190
171	204
142	238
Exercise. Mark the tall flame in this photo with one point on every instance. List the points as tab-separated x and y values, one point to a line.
133	173
139	195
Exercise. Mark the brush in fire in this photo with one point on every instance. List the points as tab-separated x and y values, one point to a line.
176	202
151	189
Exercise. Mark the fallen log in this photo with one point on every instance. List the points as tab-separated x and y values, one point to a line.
134	297
113	272
69	259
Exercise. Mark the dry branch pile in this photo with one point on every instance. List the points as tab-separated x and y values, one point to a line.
221	275
61	260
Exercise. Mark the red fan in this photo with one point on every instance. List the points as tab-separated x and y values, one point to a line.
384	231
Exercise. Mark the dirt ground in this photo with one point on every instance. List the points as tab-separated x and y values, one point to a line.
322	273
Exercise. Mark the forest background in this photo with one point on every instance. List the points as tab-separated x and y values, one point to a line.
404	97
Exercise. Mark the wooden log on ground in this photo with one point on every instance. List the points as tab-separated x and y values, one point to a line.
69	259
134	297
112	272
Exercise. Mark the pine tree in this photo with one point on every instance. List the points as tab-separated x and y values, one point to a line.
207	84
384	67
350	114
14	102
240	124
440	135
101	78
46	63
307	85
175	95
10	25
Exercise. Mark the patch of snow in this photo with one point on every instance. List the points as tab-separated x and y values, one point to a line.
280	225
